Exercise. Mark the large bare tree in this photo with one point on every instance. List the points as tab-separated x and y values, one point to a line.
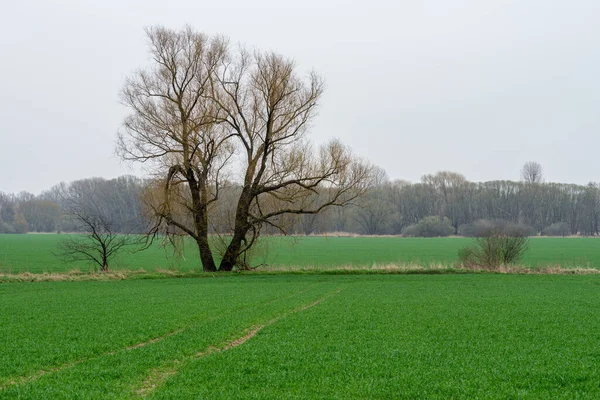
174	128
203	109
268	109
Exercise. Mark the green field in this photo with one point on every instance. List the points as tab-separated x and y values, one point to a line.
34	253
314	336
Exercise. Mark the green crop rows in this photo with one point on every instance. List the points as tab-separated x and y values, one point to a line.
34	253
315	336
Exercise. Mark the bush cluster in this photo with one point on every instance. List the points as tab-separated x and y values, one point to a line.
484	228
431	226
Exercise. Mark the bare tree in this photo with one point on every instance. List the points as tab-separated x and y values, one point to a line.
374	212
374	215
268	110
203	110
98	245
532	172
90	214
174	127
449	186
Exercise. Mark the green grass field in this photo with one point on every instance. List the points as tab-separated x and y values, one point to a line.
314	336
34	253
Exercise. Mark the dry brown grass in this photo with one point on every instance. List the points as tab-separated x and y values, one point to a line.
434	269
77	275
524	270
378	268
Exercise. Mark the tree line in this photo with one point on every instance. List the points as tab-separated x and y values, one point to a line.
444	203
116	200
539	208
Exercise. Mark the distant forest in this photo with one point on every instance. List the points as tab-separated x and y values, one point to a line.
440	205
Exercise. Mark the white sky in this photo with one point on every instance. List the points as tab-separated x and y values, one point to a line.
477	87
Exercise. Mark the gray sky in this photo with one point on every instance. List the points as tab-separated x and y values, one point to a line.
477	87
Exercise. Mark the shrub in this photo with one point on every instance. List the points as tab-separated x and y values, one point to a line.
494	250
484	227
478	228
6	228
558	229
20	224
431	226
518	229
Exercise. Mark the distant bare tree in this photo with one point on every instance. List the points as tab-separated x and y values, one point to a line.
374	211
100	240
98	245
450	186
373	216
532	172
41	215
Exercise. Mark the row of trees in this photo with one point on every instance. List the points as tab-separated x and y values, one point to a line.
544	207
116	200
441	204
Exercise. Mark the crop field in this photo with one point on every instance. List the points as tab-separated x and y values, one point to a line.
34	253
308	336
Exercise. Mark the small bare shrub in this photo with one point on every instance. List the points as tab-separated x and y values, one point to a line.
494	250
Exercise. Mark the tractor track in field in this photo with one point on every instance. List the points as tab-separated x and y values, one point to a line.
23	379
20	380
158	376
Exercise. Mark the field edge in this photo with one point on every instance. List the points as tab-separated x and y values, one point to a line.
77	275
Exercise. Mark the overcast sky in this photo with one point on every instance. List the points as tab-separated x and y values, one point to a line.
477	87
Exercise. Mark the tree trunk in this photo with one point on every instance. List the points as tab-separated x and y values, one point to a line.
208	262
233	251
198	192
241	227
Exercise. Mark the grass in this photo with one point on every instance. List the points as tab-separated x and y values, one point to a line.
303	336
34	253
